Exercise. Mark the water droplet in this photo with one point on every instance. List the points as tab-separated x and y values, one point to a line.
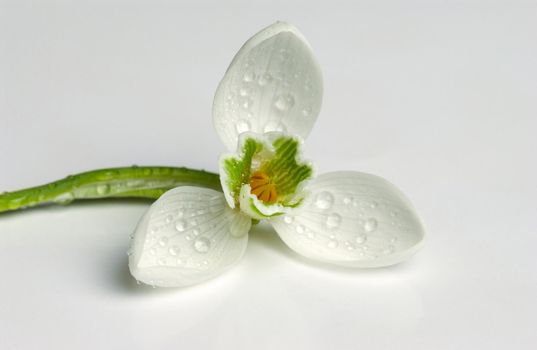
249	76
300	229
393	214
264	79
153	230
361	238
169	218
161	261
188	237
347	199
196	232
306	112
333	220
65	198
242	126
332	244
351	246
174	250
373	205
247	103
288	219
388	250
202	245
180	225
181	261
370	225
275	126
324	200
245	91
153	251
163	241
311	235
129	252
284	102
103	189
180	214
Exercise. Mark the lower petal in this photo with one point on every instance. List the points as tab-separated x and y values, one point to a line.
353	219
187	236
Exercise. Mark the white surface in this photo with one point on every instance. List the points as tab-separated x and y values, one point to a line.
438	97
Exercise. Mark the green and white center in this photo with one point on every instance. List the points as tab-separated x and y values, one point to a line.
266	177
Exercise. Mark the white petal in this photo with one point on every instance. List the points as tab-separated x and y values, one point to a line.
257	209
273	84
353	219
189	235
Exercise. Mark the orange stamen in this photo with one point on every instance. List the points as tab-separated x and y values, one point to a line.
263	188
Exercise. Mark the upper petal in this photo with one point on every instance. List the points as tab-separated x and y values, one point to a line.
273	84
188	235
353	219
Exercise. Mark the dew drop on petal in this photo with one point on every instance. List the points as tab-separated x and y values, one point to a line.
324	200
275	126
180	225
264	79
332	244
284	102
361	238
388	250
174	250
163	241
333	220
370	225
202	245
242	126
249	76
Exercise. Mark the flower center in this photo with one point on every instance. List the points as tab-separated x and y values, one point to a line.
263	188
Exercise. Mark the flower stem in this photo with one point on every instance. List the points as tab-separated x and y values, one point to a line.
128	182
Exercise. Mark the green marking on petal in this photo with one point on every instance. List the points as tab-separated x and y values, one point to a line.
238	170
284	170
268	164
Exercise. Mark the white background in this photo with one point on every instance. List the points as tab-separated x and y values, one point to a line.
439	97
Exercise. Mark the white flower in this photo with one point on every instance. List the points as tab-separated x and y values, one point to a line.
265	105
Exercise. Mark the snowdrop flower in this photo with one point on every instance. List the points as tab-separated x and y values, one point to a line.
264	107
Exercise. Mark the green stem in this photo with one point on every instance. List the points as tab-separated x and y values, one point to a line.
128	182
